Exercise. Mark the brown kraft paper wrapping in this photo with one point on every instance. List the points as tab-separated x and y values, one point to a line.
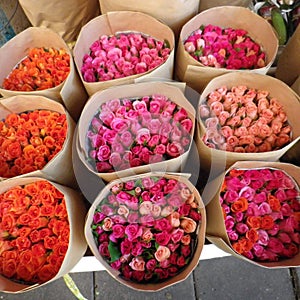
174	14
70	92
59	168
77	243
215	229
220	160
123	21
128	91
195	74
64	17
288	65
149	287
206	4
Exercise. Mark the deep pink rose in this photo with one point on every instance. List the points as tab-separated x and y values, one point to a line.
185	250
162	238
162	224
118	231
174	149
176	235
241	228
103	249
275	245
151	264
103	167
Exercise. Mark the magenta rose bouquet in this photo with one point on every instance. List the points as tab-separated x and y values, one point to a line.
122	55
228	48
147	229
131	132
242	119
261	211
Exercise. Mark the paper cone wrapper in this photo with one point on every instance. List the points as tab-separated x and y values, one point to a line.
129	91
216	230
288	65
174	14
71	92
60	167
149	287
296	86
219	159
207	4
77	243
117	22
64	17
195	74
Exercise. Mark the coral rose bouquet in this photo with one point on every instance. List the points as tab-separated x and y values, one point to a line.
40	63
122	47
222	39
35	138
147	230
135	129
246	117
260	208
38	232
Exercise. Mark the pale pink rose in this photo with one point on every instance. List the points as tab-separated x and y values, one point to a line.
189	47
227	103
188	224
167	210
143	135
126	138
249	96
147	234
282	116
265	147
270	139
200	43
262	104
137	264
267	114
106	116
216	108
174	149
263	237
241	131
123	211
226	131
239	149
162	253
165	129
253	130
204	111
246	122
223	116
155	210
107	224
214	96
275	106
218	139
176	133
241	112
211	122
234	107
262	94
145	207
286	129
239	90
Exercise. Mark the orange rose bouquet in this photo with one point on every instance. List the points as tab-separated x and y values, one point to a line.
40	63
38	232
35	136
147	230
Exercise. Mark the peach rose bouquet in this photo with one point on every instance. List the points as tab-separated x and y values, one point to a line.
147	227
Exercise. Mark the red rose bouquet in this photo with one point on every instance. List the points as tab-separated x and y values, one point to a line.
40	237
262	213
43	68
146	229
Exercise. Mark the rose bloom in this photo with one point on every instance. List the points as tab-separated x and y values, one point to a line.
188	225
137	264
162	253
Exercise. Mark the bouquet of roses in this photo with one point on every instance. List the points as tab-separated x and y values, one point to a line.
132	132
147	229
228	48
29	140
119	47
122	55
242	119
262	212
40	239
43	68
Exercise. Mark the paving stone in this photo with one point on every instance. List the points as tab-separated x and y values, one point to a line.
57	290
107	287
232	278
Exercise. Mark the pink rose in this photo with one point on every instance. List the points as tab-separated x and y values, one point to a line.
154	126
147	220
174	149
162	224
275	245
145	208
109	136
147	234
263	237
176	235
174	219
216	108
126	138
133	231
234	121
103	249
137	264
154	107
282	140
120	125
126	247
115	159
187	124
123	211
180	115
151	264
204	111
186	239
223	117
103	153
155	210
143	135
162	253
229	223
107	224
162	238
118	231
212	122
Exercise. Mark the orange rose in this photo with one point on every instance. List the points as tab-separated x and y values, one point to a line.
46	273
186	239
274	203
188	225
252	235
239	205
9	267
254	222
267	222
8	222
50	241
25	257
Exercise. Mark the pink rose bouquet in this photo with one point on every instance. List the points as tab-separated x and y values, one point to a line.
245	120
261	211
228	48
122	55
131	132
146	228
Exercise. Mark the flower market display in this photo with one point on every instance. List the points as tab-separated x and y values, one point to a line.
261	212
29	140
228	48
147	228
35	232
131	132
43	68
122	55
242	119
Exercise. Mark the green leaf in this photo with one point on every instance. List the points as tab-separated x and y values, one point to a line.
167	44
114	252
198	52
